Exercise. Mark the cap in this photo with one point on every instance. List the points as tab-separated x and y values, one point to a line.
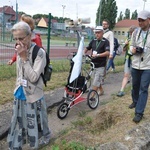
98	28
144	14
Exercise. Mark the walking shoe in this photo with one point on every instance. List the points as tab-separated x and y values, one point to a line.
100	93
133	105
138	118
102	82
113	70
120	94
44	140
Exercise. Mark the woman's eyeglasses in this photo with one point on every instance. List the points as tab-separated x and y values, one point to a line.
20	39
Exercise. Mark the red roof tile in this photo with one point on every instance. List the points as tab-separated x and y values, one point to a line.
7	10
126	23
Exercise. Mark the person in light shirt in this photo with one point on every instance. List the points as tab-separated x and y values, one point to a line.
140	49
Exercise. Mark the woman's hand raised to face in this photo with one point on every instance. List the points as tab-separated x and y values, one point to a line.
21	49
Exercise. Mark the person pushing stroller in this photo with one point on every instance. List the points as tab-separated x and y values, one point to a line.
100	51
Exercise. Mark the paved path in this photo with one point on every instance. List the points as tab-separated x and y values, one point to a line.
53	98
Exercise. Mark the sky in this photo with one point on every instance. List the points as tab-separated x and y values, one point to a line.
72	8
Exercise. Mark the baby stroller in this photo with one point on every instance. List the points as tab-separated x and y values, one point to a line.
75	90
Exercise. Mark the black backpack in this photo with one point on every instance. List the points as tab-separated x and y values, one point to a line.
48	68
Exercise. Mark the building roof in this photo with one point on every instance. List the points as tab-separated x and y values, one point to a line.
13	18
52	20
126	23
7	10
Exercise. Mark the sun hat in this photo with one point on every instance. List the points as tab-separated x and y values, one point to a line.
98	28
144	14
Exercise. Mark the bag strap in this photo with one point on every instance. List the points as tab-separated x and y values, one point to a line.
34	55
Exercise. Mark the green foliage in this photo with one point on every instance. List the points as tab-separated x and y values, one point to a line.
127	14
59	19
107	10
134	15
120	16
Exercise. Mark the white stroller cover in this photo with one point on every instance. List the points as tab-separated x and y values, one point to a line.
77	61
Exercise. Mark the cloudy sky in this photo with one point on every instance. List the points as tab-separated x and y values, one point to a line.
72	8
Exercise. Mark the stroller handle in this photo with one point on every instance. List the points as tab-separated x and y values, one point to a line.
92	64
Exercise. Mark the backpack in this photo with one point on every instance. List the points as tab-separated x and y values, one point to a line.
119	50
48	68
117	47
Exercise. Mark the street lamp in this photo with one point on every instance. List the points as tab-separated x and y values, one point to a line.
144	4
16	11
63	6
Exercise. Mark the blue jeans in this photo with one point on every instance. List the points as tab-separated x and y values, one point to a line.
140	84
111	62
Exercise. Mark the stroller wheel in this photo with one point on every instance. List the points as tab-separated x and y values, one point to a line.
62	111
93	99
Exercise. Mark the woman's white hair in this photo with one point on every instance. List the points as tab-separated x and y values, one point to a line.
22	26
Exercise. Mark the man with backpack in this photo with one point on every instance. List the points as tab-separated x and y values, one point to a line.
111	61
29	121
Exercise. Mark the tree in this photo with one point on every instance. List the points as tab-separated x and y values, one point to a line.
134	15
36	16
127	14
120	16
107	10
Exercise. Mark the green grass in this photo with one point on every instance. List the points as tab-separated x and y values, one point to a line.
7	71
60	71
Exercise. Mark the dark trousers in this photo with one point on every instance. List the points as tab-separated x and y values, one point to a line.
140	84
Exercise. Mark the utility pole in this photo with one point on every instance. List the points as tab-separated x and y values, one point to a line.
144	4
63	6
16	11
49	33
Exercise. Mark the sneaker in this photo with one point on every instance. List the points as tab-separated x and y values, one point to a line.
120	94
138	118
102	82
44	141
112	70
133	105
100	93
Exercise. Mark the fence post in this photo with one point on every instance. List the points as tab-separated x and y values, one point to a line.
49	31
3	37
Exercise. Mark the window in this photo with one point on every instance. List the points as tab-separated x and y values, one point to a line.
118	32
123	33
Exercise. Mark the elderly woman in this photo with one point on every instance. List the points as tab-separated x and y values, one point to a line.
29	121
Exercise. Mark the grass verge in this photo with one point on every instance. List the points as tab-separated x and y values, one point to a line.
110	123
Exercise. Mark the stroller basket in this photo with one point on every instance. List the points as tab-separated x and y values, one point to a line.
77	84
